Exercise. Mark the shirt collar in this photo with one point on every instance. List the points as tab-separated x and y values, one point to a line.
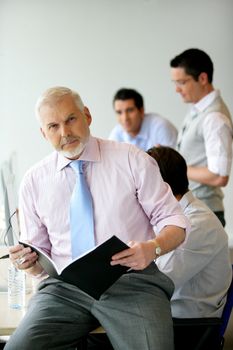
201	105
143	130
91	153
141	135
186	200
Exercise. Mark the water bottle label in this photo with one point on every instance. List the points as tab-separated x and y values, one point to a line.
16	288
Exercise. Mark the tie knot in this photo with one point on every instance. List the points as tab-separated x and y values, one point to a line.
77	165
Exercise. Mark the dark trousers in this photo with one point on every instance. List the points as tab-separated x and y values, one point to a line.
191	337
220	216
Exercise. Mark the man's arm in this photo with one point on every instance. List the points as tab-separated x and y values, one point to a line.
217	132
31	228
166	134
162	210
141	254
204	176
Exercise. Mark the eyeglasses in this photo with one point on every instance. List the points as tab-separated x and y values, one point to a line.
10	227
13	225
182	82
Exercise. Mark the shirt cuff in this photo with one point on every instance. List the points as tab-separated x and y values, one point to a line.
177	220
219	166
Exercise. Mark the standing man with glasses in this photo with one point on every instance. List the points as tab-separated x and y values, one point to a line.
205	139
135	310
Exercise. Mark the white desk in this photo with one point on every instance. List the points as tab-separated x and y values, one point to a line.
9	318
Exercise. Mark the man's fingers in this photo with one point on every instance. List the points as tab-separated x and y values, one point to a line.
23	258
124	262
123	254
15	248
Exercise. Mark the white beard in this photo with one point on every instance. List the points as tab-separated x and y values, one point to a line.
75	152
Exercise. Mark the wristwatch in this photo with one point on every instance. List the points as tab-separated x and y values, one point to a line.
158	250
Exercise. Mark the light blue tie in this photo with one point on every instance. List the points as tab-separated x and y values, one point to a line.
81	213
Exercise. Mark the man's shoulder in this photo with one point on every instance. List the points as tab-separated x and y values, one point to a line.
107	145
157	120
215	103
200	214
120	151
126	159
43	166
155	117
117	133
193	205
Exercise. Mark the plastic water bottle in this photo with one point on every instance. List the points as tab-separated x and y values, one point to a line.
16	287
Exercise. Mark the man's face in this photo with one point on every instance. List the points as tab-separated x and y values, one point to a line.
129	116
65	126
189	89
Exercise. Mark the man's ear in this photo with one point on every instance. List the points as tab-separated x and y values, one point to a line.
142	111
43	133
88	115
203	78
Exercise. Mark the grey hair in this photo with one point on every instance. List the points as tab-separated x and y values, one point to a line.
53	95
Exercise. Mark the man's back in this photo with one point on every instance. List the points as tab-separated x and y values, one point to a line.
200	268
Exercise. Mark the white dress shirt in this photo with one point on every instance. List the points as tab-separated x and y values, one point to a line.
218	133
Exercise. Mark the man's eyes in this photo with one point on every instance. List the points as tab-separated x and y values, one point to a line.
72	118
129	110
56	126
53	126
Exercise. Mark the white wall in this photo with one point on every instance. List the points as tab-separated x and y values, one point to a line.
96	47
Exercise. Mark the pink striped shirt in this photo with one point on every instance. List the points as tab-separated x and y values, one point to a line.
129	198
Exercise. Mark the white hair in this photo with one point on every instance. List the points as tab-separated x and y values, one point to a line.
52	95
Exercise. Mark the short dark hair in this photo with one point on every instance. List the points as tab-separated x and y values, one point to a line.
173	168
129	94
195	62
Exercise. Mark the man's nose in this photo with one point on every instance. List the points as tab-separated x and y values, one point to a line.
178	88
125	115
65	130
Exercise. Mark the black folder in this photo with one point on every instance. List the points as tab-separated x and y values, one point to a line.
90	272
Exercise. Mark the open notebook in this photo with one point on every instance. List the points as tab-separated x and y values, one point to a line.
91	271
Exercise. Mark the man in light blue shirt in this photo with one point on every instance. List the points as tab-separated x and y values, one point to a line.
138	128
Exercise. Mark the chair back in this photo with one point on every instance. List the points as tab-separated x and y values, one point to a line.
227	308
209	331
